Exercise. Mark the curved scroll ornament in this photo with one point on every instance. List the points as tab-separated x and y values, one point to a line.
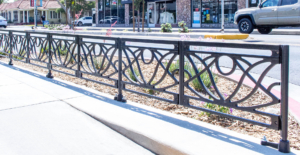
64	53
99	59
38	49
4	43
19	46
218	97
133	58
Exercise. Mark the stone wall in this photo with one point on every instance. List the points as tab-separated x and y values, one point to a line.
126	14
183	12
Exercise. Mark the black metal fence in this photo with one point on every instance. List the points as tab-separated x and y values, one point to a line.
118	63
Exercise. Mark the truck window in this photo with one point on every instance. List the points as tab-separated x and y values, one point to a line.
289	2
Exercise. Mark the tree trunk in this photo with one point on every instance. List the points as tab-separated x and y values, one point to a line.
133	22
143	16
64	7
139	20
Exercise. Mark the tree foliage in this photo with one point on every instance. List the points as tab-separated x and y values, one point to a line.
137	4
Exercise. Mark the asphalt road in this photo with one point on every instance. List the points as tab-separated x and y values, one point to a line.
292	40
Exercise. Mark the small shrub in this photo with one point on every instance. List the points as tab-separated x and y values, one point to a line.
150	91
131	75
166	27
63	52
215	107
98	63
2	54
183	27
115	30
173	66
125	30
204	77
149	30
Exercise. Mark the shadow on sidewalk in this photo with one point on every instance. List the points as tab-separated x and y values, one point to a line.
184	124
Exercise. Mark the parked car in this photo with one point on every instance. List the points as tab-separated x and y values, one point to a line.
3	22
84	21
268	15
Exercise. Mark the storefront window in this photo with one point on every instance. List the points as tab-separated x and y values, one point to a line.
111	11
211	11
136	14
166	12
230	7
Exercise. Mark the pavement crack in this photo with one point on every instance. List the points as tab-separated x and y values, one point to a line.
28	105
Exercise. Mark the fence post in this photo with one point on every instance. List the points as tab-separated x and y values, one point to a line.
49	38
27	47
181	51
10	47
284	144
119	96
78	42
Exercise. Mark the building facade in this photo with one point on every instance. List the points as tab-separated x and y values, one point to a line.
20	12
196	13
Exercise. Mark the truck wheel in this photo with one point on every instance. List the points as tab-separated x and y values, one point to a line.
245	26
264	30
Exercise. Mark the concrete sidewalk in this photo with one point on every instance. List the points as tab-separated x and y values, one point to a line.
35	119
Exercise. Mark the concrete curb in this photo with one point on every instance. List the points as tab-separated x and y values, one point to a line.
160	131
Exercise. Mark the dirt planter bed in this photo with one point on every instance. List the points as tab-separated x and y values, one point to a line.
226	86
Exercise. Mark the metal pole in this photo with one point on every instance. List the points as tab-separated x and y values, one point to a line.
10	47
35	14
27	48
222	28
119	96
78	42
49	38
181	52
133	22
284	144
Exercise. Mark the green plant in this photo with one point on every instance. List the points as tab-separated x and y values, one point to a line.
63	51
2	54
21	55
173	66
150	91
131	75
149	30
166	27
183	29
215	107
98	63
204	77
125	30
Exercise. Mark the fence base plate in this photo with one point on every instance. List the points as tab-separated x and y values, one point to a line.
284	146
120	97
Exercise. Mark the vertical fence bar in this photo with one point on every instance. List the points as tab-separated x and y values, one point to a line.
27	47
119	96
10	47
78	42
49	66
181	52
284	144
